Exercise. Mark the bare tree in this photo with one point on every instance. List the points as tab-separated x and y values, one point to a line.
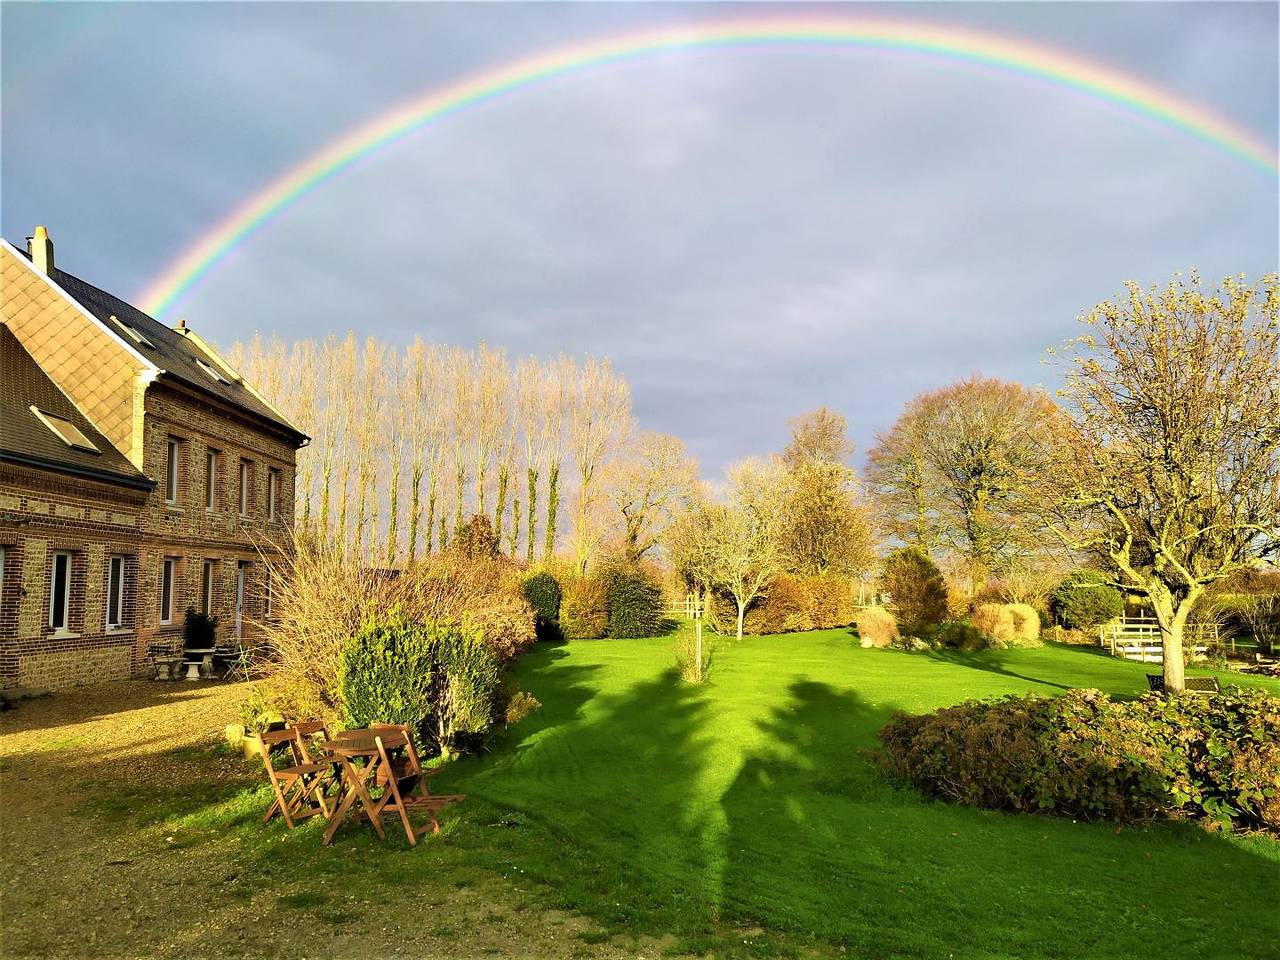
648	482
1172	468
738	550
599	410
462	396
561	375
985	446
533	398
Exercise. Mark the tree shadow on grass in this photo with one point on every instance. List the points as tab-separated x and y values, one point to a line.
820	843
989	661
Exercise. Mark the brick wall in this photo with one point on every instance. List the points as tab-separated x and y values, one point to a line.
43	513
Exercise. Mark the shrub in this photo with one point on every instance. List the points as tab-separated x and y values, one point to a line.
324	596
958	635
1085	599
199	630
1008	624
584	610
520	705
833	600
386	672
1026	624
917	588
635	605
542	590
434	678
786	607
475	538
876	627
995	621
1214	758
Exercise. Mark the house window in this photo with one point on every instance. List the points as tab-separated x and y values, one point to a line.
211	373
65	430
206	588
210	477
273	487
171	472
244	488
167	570
60	591
115	593
134	333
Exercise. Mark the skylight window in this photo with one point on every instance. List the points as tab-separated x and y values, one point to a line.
134	333
211	372
66	431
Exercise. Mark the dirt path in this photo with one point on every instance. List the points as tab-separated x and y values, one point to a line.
86	871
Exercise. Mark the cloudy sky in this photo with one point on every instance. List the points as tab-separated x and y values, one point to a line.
748	233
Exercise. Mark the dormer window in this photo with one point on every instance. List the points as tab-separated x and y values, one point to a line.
214	374
65	430
134	333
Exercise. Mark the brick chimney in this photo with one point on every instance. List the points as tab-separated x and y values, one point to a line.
41	249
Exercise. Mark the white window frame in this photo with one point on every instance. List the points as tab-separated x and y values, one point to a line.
65	430
168	581
116	567
206	588
210	478
273	490
65	612
244	488
171	471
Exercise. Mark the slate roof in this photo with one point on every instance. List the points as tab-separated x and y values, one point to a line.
172	352
24	438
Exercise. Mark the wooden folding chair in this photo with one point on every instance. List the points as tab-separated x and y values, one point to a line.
405	782
299	789
310	733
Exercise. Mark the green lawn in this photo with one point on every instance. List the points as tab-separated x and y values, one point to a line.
631	816
749	801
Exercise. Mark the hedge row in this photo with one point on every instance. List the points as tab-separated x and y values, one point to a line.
618	602
801	603
1210	758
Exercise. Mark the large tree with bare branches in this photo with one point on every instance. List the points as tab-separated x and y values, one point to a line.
1172	467
649	480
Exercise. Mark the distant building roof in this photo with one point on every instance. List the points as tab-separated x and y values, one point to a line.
55	435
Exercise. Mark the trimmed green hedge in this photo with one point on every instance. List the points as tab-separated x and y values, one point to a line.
542	590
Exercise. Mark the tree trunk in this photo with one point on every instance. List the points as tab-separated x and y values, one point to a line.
698	649
553	504
742	611
532	515
1172	623
500	507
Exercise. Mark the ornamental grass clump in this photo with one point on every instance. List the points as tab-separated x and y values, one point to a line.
876	627
1214	759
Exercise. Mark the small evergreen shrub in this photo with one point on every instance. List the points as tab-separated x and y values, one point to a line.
917	588
386	672
1084	600
833	600
475	538
1210	758
542	590
635	605
1026	624
876	627
786	607
437	679
584	608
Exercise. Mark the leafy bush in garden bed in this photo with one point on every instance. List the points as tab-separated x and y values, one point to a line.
786	607
542	590
1210	758
584	608
435	678
635	605
1085	599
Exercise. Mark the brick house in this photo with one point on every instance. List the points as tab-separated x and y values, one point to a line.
139	476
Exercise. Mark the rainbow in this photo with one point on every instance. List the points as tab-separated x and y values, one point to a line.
1016	57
